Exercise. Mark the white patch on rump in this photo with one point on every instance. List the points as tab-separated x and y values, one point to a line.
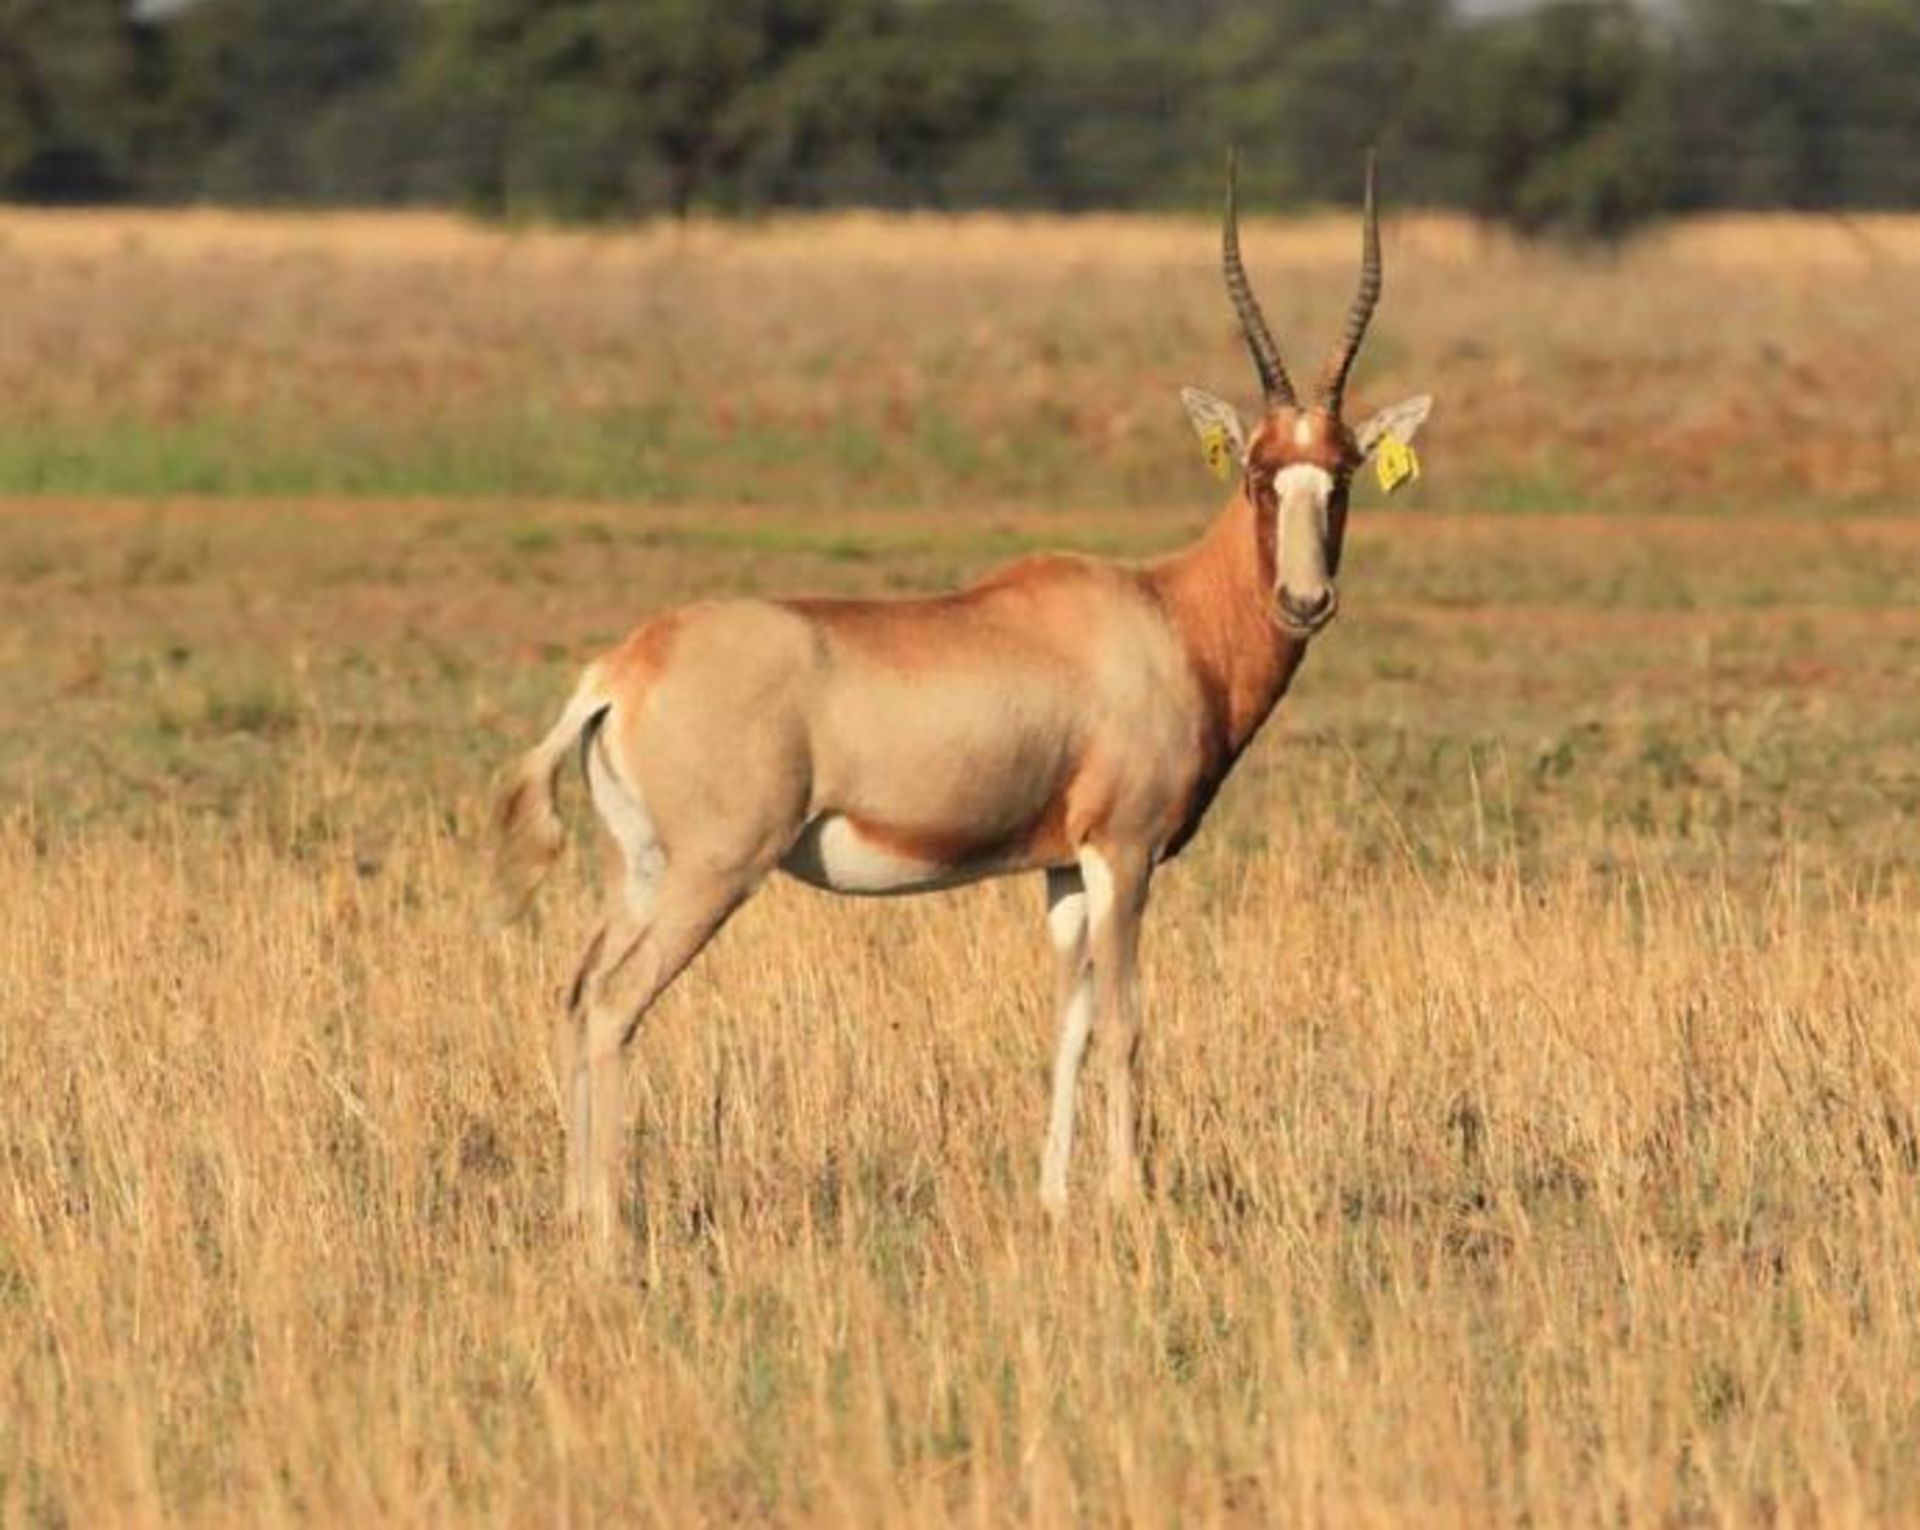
624	811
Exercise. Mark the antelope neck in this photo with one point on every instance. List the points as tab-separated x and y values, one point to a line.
1218	593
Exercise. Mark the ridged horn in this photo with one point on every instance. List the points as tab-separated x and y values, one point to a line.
1274	382
1333	376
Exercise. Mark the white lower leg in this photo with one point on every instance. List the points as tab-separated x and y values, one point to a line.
1073	1004
603	1090
1116	899
1076	1027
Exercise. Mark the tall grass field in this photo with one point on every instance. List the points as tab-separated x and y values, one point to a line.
1533	1032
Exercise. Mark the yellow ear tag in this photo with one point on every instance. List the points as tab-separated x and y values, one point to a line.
1396	463
1217	446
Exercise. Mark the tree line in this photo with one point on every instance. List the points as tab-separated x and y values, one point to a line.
1574	117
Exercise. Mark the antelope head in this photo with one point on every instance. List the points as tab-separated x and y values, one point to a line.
1298	464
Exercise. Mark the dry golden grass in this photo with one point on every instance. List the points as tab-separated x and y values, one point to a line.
1564	1200
924	360
1533	1068
1532	1060
837	239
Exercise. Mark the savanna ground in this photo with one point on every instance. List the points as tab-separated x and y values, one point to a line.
1535	1084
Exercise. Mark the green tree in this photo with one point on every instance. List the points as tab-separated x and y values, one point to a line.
1110	111
1315	82
69	71
591	106
1561	120
1575	118
288	101
1797	105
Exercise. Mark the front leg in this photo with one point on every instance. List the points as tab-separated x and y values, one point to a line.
1116	880
1073	1009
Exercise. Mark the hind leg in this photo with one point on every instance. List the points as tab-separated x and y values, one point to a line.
1073	1005
643	953
1116	880
569	1043
686	857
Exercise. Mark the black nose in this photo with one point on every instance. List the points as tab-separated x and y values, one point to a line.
1306	613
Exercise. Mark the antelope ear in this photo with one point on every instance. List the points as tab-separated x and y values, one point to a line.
1222	438
1401	421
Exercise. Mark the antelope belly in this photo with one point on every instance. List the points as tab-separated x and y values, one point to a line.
833	854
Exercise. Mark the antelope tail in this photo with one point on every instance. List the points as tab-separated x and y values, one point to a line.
527	832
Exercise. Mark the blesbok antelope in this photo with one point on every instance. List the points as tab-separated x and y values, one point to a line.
1065	715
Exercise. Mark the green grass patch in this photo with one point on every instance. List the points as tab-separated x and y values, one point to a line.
667	452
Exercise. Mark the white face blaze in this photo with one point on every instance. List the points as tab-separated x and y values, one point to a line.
1301	494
